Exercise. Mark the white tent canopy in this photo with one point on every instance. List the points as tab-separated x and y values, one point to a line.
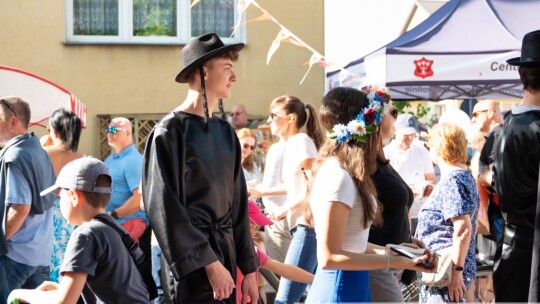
458	52
44	96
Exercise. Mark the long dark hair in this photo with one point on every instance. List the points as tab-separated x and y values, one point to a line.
293	105
339	106
68	128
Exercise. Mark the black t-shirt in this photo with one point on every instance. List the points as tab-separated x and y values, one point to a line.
487	155
396	198
96	249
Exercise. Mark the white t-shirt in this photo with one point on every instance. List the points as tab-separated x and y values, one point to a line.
272	176
412	165
298	148
333	184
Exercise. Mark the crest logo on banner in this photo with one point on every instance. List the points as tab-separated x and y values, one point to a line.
423	68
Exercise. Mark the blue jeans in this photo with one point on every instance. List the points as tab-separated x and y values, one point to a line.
302	253
156	271
15	275
340	286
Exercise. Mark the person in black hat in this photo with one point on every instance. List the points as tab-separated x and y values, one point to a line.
516	179
194	191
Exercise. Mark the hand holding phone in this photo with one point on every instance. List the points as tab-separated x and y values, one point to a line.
407	254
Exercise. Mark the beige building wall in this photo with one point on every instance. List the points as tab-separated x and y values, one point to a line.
137	79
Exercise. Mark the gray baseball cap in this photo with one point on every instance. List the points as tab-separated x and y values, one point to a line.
407	124
81	174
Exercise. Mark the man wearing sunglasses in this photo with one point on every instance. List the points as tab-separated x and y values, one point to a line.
27	218
125	166
194	191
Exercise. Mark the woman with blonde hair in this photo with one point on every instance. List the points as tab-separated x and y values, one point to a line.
448	217
288	114
343	198
248	144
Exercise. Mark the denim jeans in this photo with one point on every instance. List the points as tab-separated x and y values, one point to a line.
156	271
302	253
15	275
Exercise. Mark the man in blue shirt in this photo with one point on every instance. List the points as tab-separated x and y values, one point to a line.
125	165
26	230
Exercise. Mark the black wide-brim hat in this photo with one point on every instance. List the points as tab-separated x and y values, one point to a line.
200	50
530	51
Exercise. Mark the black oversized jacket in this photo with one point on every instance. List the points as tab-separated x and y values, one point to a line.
195	195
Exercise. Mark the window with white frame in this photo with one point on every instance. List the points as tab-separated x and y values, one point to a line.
149	21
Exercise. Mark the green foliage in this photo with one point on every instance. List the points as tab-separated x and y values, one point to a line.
421	111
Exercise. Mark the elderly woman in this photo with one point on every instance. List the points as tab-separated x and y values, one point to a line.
448	218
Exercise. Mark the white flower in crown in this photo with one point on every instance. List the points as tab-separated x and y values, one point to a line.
375	105
341	132
357	127
387	108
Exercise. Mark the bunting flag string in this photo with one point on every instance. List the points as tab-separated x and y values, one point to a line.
285	36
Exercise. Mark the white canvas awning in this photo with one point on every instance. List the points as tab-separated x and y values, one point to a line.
44	96
459	52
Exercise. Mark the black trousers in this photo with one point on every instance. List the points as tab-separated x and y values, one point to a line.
512	268
195	288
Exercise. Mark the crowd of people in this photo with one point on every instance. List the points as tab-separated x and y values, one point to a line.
353	205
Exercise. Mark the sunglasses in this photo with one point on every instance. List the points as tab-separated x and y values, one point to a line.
248	146
394	113
272	116
475	114
5	103
114	130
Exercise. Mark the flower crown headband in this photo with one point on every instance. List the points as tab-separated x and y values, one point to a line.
365	121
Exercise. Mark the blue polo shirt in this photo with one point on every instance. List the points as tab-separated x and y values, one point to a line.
126	171
32	244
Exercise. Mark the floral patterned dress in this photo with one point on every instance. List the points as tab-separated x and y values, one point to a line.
61	233
456	194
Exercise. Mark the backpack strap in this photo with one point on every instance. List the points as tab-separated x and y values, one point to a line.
132	247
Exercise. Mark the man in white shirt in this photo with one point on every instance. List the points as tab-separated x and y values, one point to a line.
411	161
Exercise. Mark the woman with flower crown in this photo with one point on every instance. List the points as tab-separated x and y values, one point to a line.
343	199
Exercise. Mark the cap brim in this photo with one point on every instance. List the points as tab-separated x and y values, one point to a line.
52	189
260	219
182	77
408	130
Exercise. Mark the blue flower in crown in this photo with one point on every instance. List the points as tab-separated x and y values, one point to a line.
342	133
364	122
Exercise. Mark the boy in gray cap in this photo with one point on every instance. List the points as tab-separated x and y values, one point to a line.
96	256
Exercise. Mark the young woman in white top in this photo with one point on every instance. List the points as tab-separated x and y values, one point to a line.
288	115
343	199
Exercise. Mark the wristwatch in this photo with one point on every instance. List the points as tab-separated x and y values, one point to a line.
115	215
457	268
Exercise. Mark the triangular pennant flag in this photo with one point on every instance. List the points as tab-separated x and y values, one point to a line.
262	17
194	2
315	57
283	34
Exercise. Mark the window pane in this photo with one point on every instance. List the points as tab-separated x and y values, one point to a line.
95	17
212	16
154	17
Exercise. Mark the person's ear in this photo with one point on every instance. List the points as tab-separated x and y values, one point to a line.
205	71
75	197
291	118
